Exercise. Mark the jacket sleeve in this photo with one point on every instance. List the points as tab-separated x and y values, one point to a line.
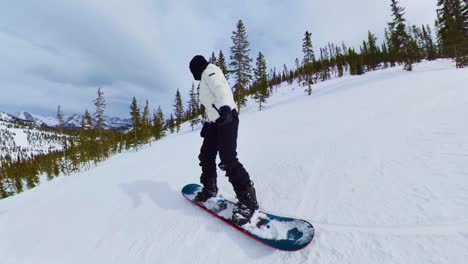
219	86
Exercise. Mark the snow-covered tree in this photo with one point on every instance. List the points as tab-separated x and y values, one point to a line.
100	104
60	118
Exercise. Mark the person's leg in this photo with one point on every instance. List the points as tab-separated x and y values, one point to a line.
207	158
238	175
227	145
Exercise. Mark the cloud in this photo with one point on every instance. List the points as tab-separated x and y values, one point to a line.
59	52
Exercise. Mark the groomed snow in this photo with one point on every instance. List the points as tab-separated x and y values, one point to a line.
377	163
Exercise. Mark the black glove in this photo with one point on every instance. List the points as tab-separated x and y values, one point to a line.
204	129
225	116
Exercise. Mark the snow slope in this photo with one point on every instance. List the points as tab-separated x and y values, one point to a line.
378	163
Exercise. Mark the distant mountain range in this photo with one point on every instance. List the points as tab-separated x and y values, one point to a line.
74	121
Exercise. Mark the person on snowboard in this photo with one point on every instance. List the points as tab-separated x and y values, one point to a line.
219	134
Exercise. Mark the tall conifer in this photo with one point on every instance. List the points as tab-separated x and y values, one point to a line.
213	58
100	104
399	37
60	118
145	123
240	64
261	81
222	64
135	115
374	52
307	71
178	110
193	110
158	124
307	48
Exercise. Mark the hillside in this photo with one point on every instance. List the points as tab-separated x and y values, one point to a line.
21	139
378	163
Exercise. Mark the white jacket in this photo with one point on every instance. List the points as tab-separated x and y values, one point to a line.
214	90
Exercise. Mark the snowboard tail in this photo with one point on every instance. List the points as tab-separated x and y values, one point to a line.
282	233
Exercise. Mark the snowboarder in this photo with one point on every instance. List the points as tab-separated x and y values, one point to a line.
219	134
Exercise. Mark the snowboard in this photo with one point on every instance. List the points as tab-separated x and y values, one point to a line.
282	233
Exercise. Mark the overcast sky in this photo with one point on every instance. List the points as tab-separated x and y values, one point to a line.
59	52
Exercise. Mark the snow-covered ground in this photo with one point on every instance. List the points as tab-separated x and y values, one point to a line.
378	163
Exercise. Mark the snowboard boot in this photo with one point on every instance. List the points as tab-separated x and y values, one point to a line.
210	189
246	206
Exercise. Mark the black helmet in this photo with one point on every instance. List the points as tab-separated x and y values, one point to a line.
197	66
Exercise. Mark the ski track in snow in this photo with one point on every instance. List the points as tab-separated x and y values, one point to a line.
377	163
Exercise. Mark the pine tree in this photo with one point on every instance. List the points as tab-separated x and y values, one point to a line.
417	42
154	125
193	107
391	58
399	37
307	49
285	72
339	61
83	139
452	23
60	118
145	122
89	140
240	64
374	52
213	58
222	64
135	115
306	77
171	124
100	104
462	60
158	124
261	81
323	65
355	62
88	120
385	55
429	47
365	54
452	29
178	110
417	35
3	192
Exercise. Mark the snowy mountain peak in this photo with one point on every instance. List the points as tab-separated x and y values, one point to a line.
25	116
72	122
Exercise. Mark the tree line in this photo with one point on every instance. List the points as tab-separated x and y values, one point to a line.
403	44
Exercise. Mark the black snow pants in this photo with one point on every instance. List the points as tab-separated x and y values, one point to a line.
223	139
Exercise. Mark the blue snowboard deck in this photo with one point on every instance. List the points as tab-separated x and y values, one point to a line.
282	233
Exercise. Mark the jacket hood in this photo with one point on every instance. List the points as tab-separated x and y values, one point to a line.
197	65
